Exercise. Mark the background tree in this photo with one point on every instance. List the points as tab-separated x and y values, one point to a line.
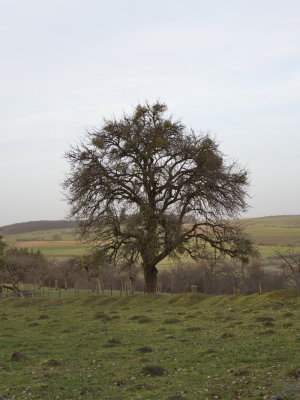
2	247
134	183
19	265
290	265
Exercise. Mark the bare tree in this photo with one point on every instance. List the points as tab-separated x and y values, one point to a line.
135	181
132	272
290	265
18	265
2	247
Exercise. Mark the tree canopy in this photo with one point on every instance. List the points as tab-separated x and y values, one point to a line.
144	187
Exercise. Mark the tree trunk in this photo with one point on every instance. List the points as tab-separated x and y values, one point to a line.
132	284
150	276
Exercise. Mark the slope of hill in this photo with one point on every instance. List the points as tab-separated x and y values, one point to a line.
33	226
283	221
288	221
269	233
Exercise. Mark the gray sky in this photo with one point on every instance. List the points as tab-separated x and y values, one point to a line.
229	67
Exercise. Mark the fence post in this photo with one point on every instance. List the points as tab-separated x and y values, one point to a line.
76	289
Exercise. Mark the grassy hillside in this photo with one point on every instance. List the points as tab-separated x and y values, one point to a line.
274	233
290	221
50	234
150	347
269	233
33	226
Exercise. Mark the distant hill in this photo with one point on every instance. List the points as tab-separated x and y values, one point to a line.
288	221
59	239
33	226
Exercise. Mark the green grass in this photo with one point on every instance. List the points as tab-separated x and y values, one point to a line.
63	252
211	348
270	251
65	234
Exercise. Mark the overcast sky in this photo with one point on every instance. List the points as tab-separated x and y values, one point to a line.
229	67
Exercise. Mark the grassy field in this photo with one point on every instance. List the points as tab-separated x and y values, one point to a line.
269	233
62	252
150	347
290	221
51	234
270	251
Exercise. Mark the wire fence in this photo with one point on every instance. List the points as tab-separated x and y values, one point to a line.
57	292
62	293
